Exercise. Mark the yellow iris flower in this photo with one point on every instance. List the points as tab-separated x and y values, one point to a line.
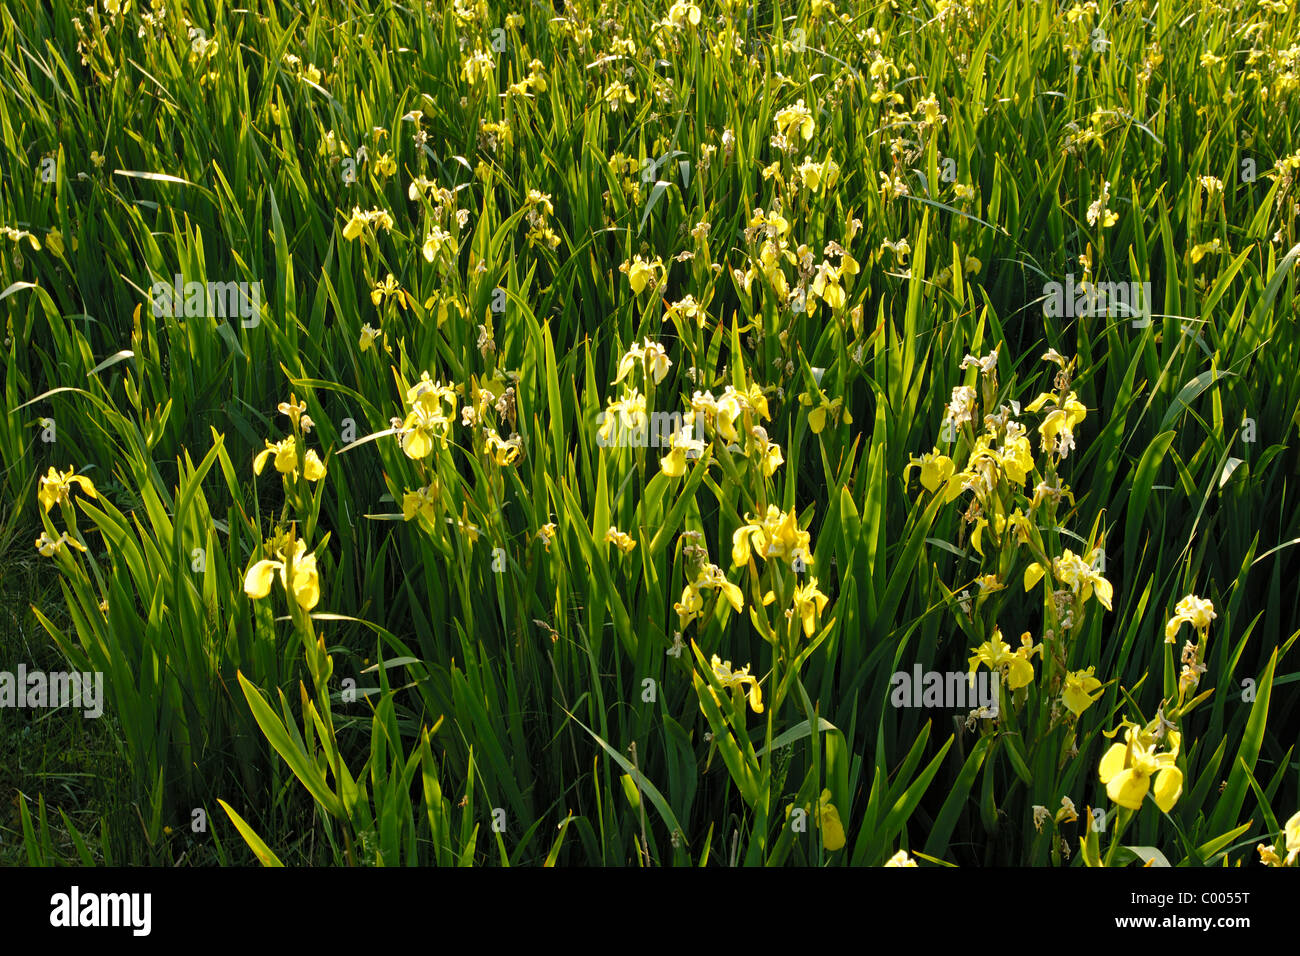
769	453
1078	690
809	602
434	242
729	407
682	13
1127	770
49	547
629	410
1192	610
642	273
822	408
360	221
504	451
422	501
617	93
620	539
673	464
828	821
1018	520
684	309
826	283
777	536
286	460
795	119
712	577
996	655
690	605
55	487
1057	429
304	584
936	469
692	602
1072	570
737	679
651	355
546	534
1292	831
426	420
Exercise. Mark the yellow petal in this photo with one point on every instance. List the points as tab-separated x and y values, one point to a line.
817	419
257	582
832	828
809	615
260	461
417	444
673	464
313	468
1113	762
1291	829
1169	786
1128	788
733	595
286	457
306	582
1174	741
1020	673
86	487
1076	699
1040	401
740	548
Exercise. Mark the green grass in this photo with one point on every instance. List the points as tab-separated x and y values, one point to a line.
458	670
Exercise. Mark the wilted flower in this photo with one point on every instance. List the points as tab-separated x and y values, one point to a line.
620	539
1099	209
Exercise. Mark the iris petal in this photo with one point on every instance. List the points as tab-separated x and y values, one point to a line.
1113	762
1169	786
257	583
1128	788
